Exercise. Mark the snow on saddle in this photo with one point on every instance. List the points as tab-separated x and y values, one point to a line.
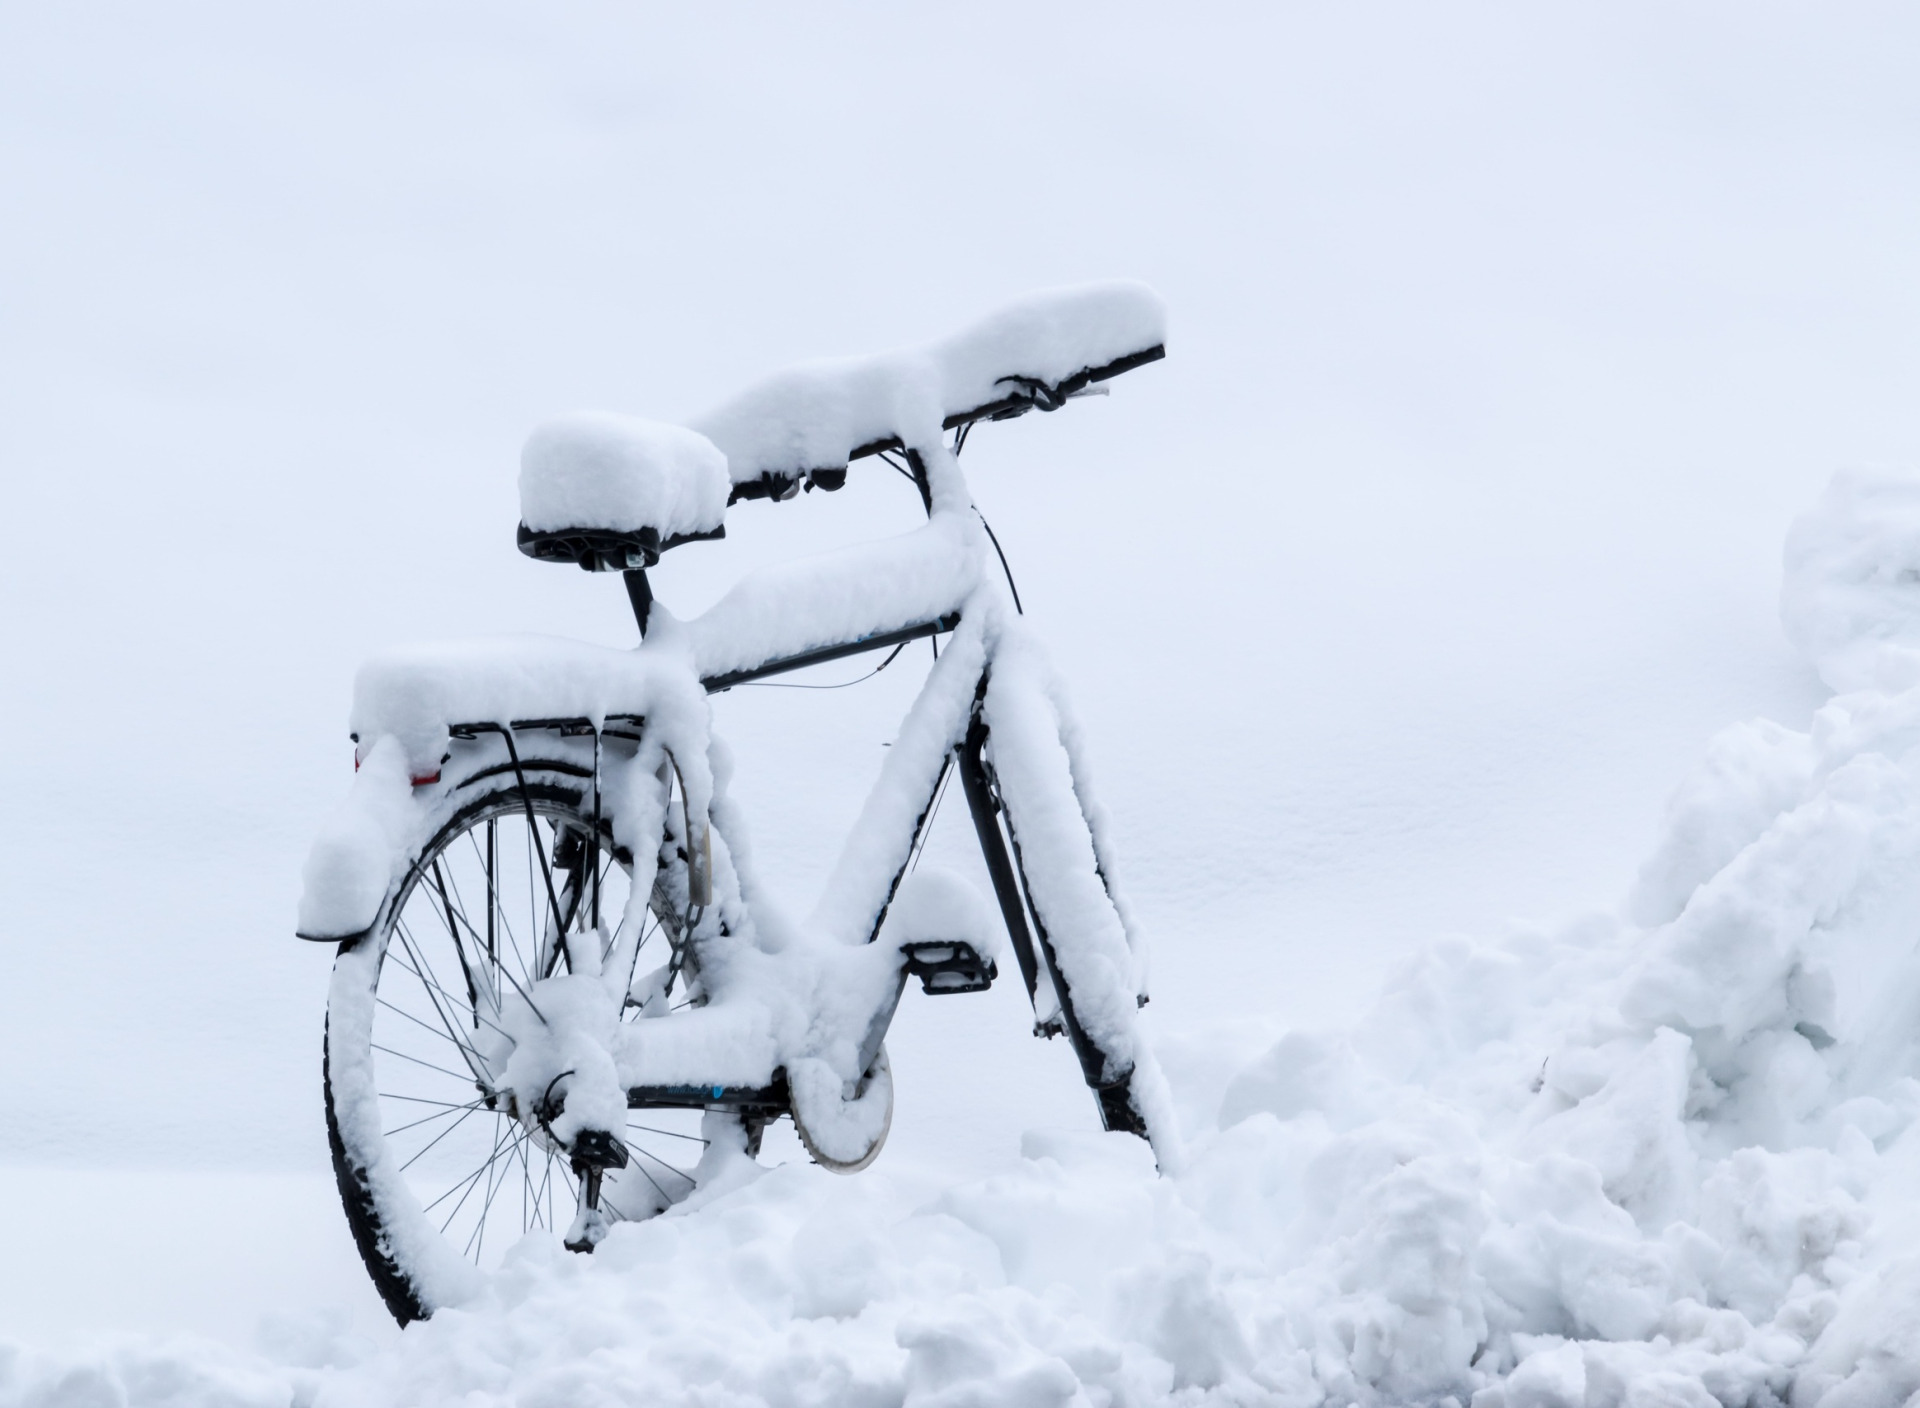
612	493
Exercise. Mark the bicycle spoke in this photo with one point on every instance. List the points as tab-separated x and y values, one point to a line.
677	1173
418	1062
487	942
466	1182
671	1134
401	928
488	867
435	1140
479	1242
472	1057
526	1188
492	1162
541	1219
456	909
606	1201
664	1196
436	1115
533	908
465	1050
453	934
646	933
422	969
496	911
422	1100
472	1183
451	998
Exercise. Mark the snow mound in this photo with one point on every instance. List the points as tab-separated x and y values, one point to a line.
1665	1160
1851	595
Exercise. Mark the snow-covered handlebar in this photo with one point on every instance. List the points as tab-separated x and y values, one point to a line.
613	492
806	424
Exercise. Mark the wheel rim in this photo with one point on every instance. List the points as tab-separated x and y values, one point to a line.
443	1153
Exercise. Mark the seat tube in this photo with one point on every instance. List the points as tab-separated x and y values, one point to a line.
993	846
640	596
921	481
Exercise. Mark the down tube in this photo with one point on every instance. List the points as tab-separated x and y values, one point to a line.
863	880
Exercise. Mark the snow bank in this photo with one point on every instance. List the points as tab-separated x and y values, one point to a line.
1851	595
1665	1160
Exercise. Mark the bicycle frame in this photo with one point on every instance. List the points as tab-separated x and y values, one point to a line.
596	758
959	729
998	839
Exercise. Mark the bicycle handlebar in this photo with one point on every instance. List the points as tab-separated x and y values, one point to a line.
1022	394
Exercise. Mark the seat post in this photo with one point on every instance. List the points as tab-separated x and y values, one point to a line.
641	595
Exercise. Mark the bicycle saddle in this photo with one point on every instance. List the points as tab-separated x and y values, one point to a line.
612	493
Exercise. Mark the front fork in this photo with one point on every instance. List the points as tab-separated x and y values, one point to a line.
994	826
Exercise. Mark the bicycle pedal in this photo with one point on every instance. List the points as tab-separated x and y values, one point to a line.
949	967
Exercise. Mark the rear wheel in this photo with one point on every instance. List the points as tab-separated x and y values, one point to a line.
439	1167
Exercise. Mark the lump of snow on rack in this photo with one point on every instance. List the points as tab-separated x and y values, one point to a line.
404	705
621	474
1851	595
814	416
415	693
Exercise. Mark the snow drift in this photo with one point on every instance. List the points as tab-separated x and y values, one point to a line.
1666	1157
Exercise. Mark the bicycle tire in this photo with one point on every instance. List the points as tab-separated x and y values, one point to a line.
403	1116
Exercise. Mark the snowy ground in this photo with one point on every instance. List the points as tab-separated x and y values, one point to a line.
1398	601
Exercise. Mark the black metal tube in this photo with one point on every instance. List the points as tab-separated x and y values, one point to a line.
640	593
1011	889
993	849
713	684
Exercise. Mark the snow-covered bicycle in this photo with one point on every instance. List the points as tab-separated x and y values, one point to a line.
561	998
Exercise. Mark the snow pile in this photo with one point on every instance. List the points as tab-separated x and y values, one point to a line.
1669	1159
1851	599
